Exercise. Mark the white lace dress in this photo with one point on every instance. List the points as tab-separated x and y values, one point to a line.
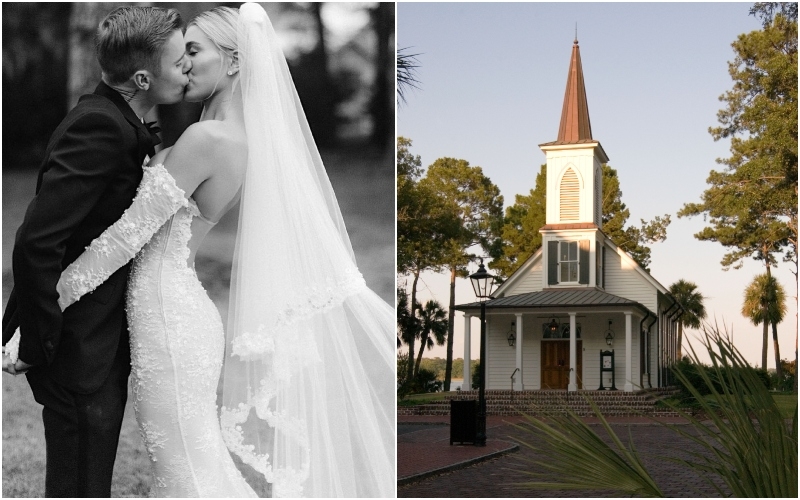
176	335
177	347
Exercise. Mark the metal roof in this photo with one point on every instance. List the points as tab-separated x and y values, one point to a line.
589	297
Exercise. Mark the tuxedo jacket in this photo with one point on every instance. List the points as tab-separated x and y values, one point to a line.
89	175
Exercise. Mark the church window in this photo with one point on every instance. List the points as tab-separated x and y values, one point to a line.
568	261
569	192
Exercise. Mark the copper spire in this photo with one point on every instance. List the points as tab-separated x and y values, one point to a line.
575	126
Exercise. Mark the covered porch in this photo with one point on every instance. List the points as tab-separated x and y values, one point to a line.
530	344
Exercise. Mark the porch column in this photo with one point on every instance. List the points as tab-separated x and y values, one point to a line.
518	381
573	355
467	384
628	356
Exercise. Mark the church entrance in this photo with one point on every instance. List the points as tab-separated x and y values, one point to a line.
555	364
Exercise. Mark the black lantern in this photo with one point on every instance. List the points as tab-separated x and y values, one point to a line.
482	282
609	334
553	327
512	336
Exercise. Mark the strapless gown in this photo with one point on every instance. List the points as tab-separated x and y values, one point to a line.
177	349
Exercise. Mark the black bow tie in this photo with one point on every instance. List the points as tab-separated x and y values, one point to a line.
152	128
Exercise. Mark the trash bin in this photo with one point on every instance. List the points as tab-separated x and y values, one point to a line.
463	421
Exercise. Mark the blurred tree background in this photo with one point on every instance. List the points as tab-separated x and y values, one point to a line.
341	57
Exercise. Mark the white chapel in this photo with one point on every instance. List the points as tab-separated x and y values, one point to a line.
580	313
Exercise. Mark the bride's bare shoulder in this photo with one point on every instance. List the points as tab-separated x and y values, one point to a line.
213	141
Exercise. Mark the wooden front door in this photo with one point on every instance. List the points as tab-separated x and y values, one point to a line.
555	364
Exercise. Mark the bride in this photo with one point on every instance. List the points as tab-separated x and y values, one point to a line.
307	368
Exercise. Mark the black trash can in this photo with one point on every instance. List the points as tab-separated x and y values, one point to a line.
463	421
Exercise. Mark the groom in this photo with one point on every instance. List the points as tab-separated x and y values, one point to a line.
77	362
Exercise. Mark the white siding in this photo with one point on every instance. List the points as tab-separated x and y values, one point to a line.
503	358
593	329
532	353
531	282
623	280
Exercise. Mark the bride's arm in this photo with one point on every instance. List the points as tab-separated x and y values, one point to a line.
157	199
161	193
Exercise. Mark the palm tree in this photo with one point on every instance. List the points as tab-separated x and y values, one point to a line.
764	303
406	323
406	73
693	309
432	326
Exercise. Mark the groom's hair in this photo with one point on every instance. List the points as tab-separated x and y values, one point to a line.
130	39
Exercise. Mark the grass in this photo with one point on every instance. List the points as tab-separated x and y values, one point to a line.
786	403
24	450
421	399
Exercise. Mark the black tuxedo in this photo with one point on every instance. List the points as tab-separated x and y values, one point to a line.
89	175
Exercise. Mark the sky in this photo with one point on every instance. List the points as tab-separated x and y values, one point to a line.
493	77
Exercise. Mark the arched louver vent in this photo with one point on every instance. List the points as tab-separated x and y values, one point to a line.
570	197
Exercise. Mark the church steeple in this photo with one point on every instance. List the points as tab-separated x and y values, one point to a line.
572	237
575	125
575	159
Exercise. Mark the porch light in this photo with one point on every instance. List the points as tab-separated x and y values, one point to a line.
553	326
609	334
512	336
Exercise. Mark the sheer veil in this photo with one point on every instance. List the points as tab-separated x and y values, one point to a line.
308	388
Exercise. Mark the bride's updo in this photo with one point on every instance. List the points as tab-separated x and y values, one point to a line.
219	25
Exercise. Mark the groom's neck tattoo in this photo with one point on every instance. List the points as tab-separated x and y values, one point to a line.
127	94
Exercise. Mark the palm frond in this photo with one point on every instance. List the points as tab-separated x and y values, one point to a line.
581	460
407	65
746	448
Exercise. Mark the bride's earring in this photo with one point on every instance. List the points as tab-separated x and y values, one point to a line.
230	73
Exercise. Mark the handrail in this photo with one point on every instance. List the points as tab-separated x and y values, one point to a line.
512	378
512	382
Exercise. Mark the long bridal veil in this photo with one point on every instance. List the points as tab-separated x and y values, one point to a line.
308	388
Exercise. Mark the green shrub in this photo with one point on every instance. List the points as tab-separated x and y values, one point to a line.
785	384
476	375
425	381
701	383
403	386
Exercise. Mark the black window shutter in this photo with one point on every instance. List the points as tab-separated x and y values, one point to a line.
552	262
583	275
597	263
603	265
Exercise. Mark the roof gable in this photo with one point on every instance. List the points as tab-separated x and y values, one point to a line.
522	272
635	266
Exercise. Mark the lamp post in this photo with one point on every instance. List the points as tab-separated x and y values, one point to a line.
482	284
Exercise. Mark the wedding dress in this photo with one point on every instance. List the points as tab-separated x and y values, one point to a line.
308	383
176	336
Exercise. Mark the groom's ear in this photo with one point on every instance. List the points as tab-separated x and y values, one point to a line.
142	80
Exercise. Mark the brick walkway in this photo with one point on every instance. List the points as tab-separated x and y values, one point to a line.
429	467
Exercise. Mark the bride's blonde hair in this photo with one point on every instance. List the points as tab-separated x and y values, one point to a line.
219	25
